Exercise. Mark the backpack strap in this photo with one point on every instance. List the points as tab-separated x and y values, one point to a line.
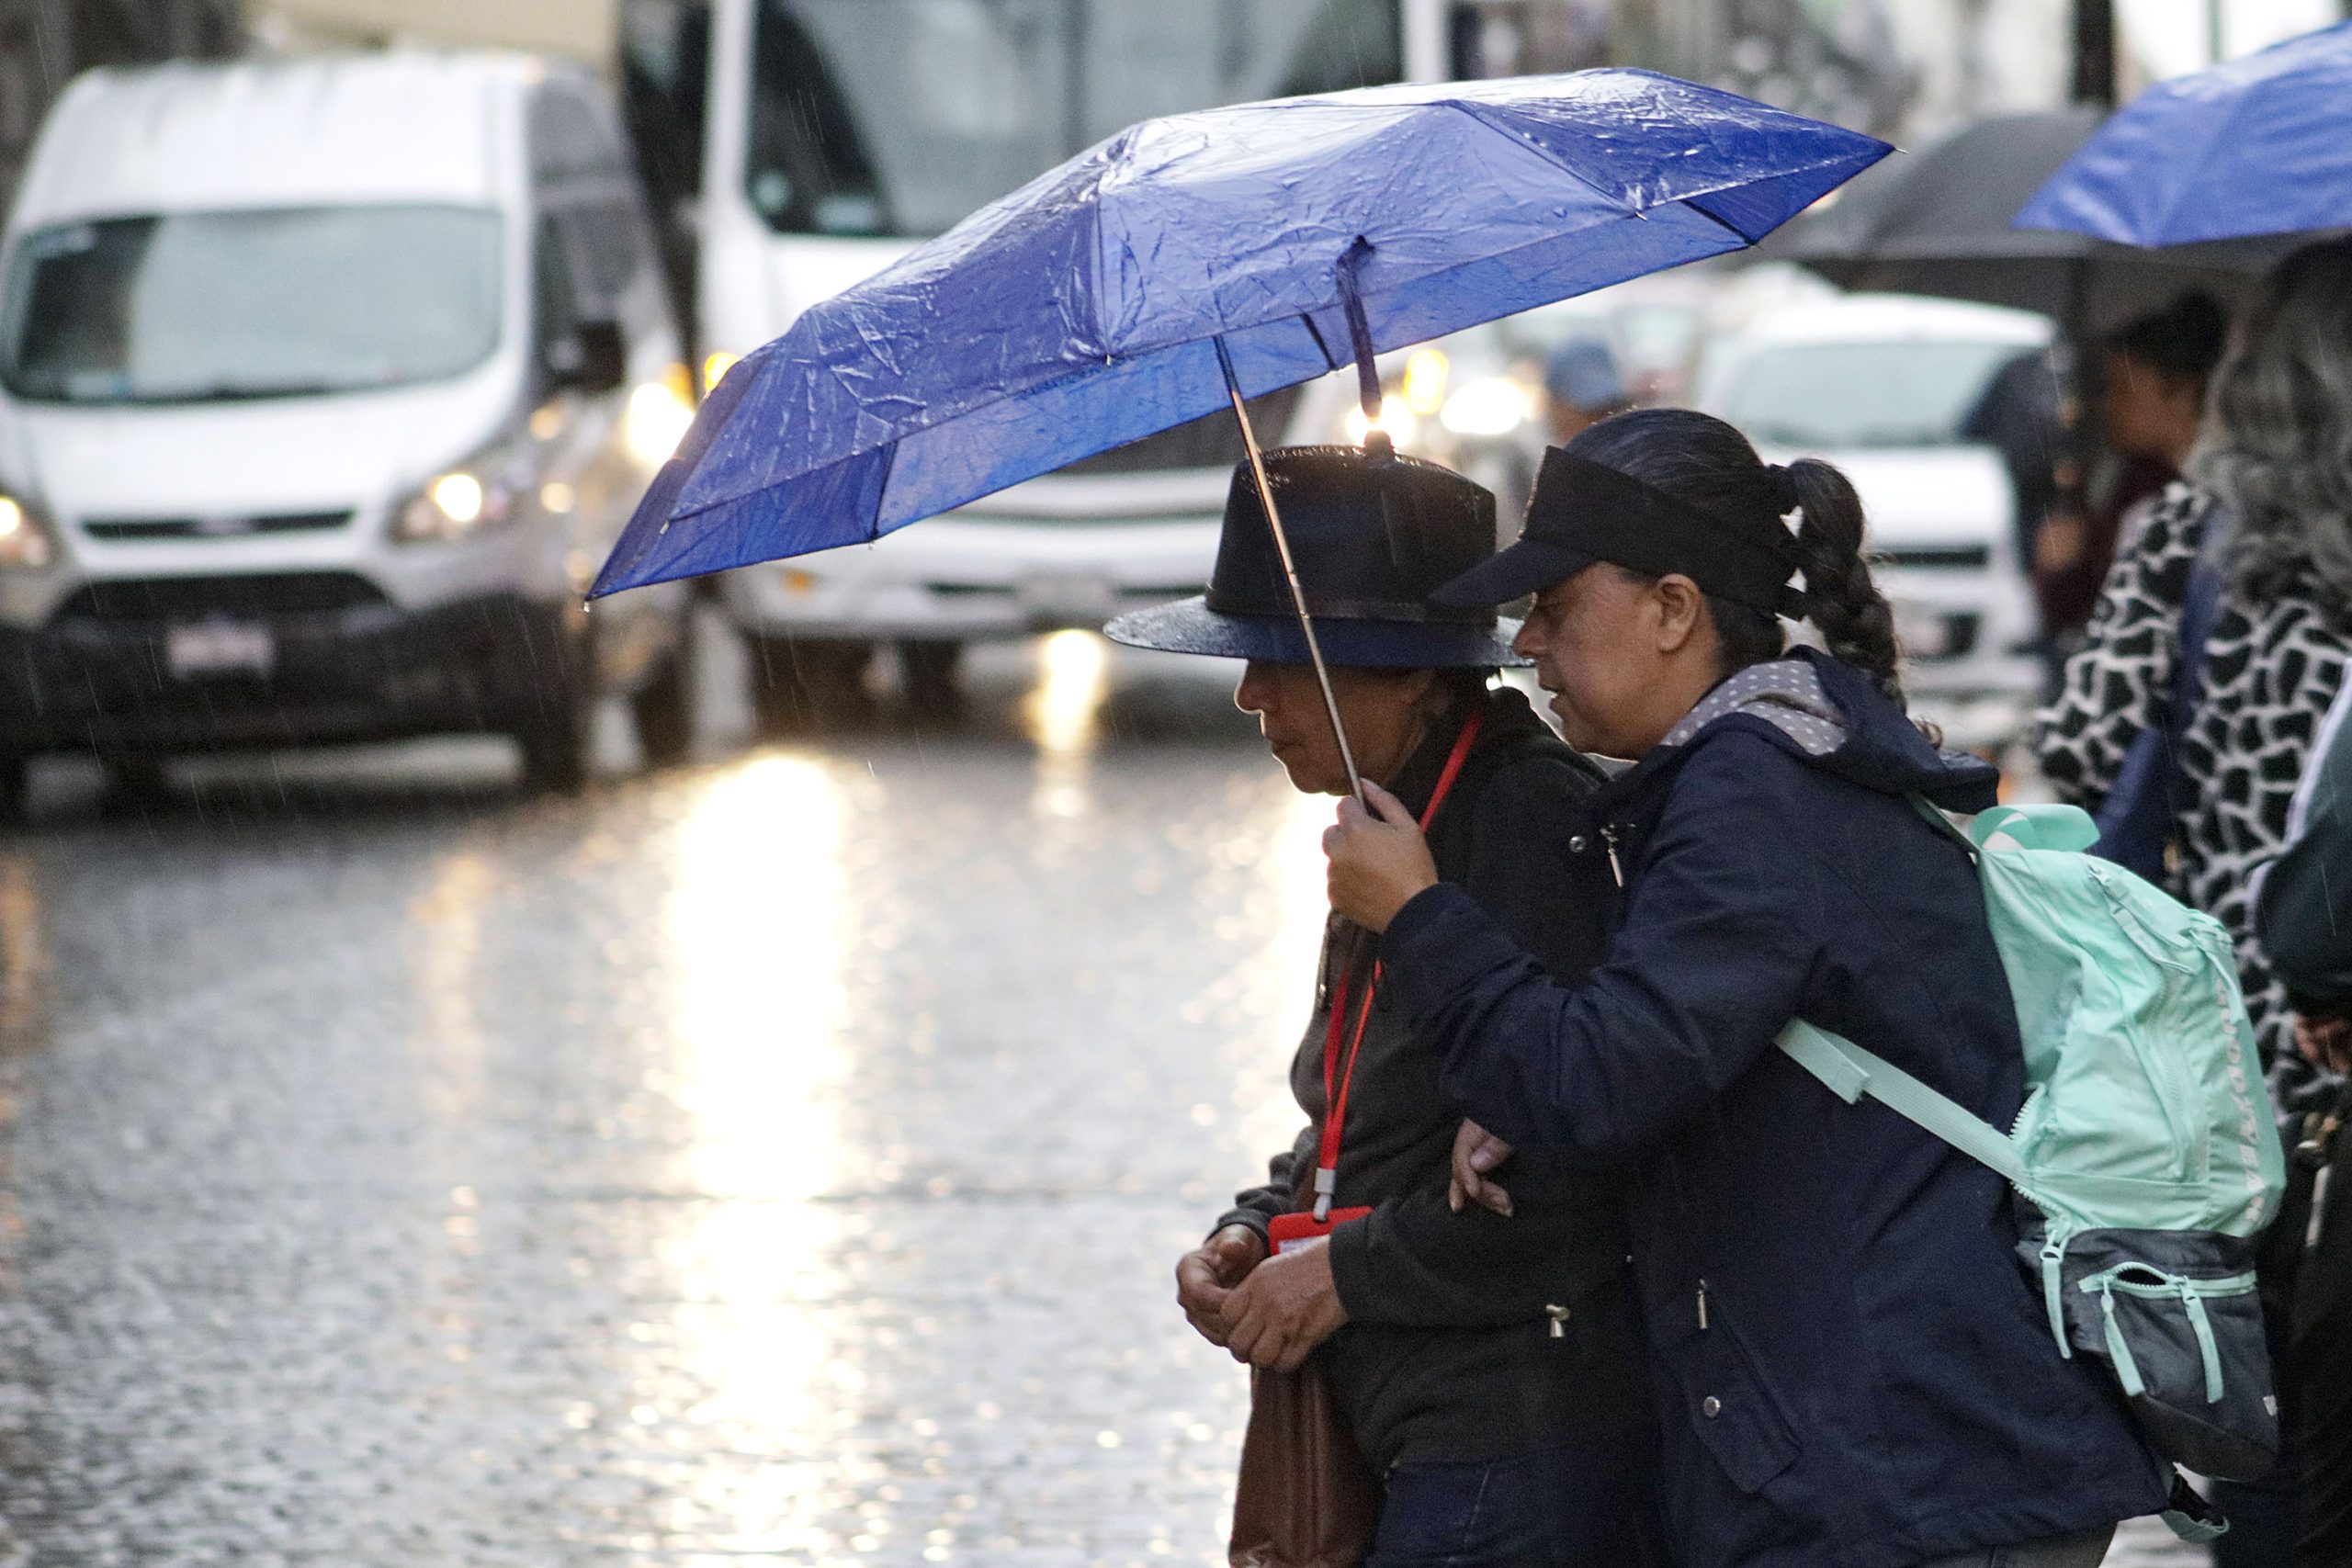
1851	1072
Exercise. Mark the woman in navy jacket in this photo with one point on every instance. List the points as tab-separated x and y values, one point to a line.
1852	1367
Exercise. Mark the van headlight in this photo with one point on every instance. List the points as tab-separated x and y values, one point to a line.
657	419
456	505
26	542
1495	405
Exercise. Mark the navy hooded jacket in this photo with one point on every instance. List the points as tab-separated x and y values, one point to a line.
1852	1367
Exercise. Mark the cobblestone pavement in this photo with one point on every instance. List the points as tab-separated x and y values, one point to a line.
777	1159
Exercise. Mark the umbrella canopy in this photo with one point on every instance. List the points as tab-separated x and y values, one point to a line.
2261	145
1108	299
1939	221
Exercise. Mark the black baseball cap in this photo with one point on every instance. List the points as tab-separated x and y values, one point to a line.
1583	512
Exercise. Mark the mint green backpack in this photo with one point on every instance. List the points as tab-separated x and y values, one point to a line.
2146	1144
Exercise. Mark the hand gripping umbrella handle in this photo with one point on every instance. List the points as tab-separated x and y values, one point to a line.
1290	570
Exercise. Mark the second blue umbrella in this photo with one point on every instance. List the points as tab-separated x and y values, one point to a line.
2261	145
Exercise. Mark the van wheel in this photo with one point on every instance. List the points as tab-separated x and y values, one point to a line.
558	736
931	671
802	684
663	710
138	778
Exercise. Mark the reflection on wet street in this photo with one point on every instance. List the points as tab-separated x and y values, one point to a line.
779	1159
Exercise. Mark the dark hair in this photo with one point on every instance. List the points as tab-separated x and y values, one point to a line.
1708	465
2184	338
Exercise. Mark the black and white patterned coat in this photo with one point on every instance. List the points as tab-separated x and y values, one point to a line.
2271	669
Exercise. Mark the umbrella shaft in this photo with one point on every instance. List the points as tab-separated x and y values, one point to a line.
1290	570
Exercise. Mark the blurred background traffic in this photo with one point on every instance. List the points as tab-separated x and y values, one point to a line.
722	1074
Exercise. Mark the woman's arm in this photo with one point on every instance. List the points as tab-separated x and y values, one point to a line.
1256	1207
2304	908
2119	681
1710	965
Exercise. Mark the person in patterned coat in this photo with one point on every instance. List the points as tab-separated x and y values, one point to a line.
2268	500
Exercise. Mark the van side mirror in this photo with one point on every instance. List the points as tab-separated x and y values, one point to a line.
592	359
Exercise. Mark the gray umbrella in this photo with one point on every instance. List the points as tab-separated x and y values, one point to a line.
1937	222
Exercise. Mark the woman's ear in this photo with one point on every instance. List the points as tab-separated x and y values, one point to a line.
1680	609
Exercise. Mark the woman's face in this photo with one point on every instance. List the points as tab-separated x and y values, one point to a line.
1382	709
1622	658
2148	413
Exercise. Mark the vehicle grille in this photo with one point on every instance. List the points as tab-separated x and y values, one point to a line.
1951	557
201	598
213	528
1212	441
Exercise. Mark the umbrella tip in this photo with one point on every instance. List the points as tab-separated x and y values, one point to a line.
1377	447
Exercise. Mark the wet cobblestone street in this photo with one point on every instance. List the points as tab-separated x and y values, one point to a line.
778	1160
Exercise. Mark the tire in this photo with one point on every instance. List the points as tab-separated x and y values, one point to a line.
15	774
663	710
137	778
932	673
557	736
804	684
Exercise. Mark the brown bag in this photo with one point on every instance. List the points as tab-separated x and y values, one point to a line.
1306	1497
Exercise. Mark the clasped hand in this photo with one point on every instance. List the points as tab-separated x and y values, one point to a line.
1269	1312
1379	859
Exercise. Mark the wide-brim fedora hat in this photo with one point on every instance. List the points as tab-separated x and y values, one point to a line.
1373	535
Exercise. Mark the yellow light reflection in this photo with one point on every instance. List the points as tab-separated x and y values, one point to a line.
757	919
760	920
1072	667
24	952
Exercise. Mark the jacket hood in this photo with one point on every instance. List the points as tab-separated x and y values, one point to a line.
1852	733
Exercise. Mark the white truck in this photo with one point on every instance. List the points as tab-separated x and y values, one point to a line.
801	145
324	386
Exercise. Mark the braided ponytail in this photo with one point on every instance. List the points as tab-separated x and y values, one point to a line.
1854	617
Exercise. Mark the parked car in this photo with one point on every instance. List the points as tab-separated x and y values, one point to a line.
324	388
1883	386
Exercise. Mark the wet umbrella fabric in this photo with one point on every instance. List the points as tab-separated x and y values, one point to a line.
1939	222
1090	308
2258	146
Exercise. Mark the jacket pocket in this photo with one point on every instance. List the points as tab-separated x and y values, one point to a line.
1731	1409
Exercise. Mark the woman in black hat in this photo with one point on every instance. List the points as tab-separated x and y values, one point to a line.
1487	1366
1852	1368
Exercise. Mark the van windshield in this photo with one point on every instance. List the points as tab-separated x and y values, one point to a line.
900	116
202	307
1865	394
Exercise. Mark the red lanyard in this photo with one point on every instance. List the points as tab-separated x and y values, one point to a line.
1335	1097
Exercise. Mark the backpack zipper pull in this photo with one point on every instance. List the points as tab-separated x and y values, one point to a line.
1702	1306
1559	1316
1609	837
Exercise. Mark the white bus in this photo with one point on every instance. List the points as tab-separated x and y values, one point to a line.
799	146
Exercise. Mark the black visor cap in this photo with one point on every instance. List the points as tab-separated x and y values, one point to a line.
1583	512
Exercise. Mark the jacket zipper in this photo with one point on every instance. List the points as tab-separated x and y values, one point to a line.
1702	1306
1608	839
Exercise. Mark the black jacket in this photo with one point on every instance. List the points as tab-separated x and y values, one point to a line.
1853	1369
1449	1352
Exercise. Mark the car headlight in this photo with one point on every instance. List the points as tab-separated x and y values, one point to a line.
714	367
656	421
26	542
466	500
1495	405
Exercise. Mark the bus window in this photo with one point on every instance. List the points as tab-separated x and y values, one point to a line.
899	116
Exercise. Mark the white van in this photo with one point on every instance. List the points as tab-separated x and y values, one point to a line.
1884	387
324	388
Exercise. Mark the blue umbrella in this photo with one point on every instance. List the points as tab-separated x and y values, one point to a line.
2261	145
1190	261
